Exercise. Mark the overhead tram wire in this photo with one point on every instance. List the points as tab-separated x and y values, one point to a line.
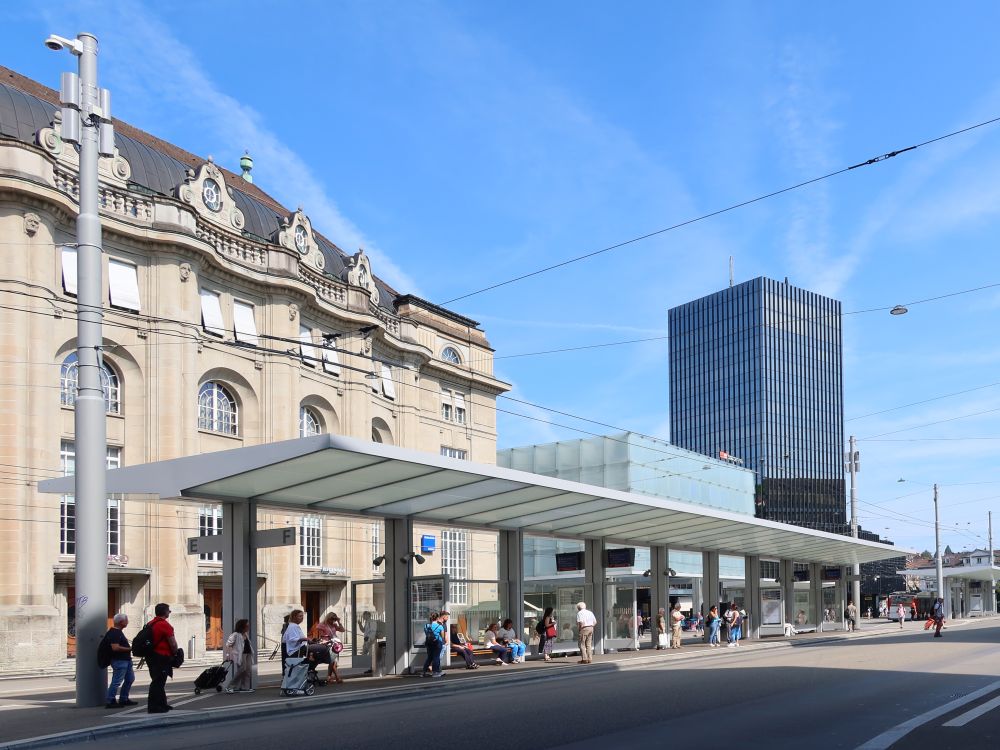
718	212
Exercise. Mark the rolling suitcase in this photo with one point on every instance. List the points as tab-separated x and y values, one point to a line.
213	677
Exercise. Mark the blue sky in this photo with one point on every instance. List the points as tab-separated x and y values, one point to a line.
466	143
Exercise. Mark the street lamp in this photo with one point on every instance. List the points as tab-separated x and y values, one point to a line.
939	566
86	120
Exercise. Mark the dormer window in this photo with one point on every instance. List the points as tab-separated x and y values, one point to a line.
211	194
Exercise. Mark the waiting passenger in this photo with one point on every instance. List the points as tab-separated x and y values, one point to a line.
493	643
460	645
508	635
714	622
327	632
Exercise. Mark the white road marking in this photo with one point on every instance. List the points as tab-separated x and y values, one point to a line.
891	736
963	719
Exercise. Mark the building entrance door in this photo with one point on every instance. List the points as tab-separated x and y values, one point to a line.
213	619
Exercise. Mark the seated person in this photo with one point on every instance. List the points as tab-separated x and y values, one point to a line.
460	645
491	641
508	635
327	633
800	618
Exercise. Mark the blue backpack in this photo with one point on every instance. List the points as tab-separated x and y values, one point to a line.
431	630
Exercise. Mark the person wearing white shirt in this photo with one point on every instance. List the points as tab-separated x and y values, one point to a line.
587	621
294	638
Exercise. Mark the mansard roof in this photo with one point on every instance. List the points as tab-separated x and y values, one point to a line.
27	106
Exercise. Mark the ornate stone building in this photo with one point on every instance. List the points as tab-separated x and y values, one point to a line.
230	321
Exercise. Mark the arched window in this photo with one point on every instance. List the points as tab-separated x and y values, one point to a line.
217	409
309	422
69	381
450	354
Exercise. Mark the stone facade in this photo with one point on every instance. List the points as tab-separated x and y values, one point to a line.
397	371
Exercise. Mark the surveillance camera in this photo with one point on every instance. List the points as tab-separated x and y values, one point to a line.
56	43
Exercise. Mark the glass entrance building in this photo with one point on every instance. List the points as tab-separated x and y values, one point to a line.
756	378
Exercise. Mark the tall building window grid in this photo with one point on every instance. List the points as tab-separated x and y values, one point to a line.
217	409
455	562
757	368
67	504
210	524
311	542
69	382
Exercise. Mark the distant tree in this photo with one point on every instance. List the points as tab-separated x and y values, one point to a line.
947	550
927	553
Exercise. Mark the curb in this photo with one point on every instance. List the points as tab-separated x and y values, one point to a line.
379	694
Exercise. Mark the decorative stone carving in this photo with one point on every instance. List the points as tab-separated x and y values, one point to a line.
296	233
48	138
293	311
358	272
206	190
185	271
32	222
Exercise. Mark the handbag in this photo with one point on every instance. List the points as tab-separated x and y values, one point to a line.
661	640
337	646
550	631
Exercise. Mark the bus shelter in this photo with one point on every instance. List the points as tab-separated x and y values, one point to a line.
599	526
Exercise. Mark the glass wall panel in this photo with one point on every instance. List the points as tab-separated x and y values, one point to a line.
554	573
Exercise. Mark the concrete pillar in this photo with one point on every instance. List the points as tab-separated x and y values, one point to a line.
816	594
593	555
710	579
787	576
398	542
511	557
659	593
239	567
754	604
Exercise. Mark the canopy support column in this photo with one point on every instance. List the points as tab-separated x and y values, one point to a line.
754	604
239	569
710	584
398	543
787	575
593	557
659	593
816	595
511	556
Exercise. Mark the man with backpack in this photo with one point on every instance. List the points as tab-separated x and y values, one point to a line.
157	645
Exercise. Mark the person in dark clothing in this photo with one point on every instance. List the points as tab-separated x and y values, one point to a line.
161	663
460	645
122	674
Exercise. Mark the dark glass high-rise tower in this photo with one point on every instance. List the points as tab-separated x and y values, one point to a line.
756	374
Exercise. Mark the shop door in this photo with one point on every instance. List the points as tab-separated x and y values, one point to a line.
368	620
71	617
213	619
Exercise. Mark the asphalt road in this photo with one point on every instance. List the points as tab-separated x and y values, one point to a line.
839	695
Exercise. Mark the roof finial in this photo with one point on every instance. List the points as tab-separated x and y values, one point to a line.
246	164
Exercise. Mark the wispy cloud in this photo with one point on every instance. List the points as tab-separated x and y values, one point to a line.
184	92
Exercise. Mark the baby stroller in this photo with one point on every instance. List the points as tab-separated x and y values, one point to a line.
299	675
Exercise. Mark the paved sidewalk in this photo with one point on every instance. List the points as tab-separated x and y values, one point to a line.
44	706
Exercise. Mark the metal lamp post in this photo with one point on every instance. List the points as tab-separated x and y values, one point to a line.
86	120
